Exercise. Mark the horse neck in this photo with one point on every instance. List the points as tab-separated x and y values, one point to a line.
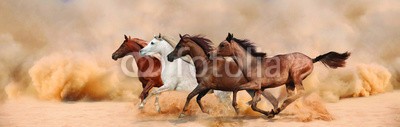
244	59
164	55
134	52
167	48
136	56
199	57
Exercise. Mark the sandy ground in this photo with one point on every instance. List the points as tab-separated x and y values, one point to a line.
378	110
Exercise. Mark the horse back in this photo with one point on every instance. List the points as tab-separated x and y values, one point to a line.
283	68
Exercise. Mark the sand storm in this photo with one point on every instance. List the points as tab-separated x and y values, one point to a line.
59	51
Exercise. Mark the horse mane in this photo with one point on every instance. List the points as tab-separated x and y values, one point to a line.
249	47
142	43
168	39
204	43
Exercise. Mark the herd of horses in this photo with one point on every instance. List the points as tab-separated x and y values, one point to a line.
192	64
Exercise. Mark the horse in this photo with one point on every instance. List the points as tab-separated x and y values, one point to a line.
217	73
289	69
177	75
149	67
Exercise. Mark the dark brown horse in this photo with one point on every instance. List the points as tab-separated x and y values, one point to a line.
217	74
290	69
149	68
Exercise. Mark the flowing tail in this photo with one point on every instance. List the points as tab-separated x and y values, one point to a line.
333	59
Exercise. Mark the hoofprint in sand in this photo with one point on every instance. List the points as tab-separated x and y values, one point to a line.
378	110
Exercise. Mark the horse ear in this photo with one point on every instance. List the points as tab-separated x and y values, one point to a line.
159	35
180	36
229	37
126	38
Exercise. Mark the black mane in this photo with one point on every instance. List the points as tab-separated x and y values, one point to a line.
203	42
249	47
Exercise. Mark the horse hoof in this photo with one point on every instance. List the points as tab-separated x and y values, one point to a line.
271	115
181	115
275	111
141	106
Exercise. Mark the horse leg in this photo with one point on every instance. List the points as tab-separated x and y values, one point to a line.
291	95
145	93
157	93
198	100
254	103
234	103
196	91
268	95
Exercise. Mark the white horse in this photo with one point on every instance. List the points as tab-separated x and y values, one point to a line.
177	75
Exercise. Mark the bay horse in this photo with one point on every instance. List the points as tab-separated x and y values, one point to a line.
217	74
149	67
289	69
177	75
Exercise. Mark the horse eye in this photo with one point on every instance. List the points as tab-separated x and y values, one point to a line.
221	46
152	43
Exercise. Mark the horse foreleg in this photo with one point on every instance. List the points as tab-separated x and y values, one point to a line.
157	94
145	92
291	96
268	95
254	103
196	91
198	100
234	103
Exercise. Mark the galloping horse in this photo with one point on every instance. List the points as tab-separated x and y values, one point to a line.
149	68
290	69
217	74
177	75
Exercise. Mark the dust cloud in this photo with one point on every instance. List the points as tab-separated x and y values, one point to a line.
61	50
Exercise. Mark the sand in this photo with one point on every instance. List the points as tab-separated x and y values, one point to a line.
377	110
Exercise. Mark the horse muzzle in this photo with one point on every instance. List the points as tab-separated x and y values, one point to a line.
170	58
114	57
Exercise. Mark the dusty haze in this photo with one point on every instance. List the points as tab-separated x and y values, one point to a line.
61	50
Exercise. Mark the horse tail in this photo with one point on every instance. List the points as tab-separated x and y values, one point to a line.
333	59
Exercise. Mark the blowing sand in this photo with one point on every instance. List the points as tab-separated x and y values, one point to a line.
377	110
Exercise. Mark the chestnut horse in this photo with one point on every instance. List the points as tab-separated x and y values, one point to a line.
149	68
217	74
290	69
